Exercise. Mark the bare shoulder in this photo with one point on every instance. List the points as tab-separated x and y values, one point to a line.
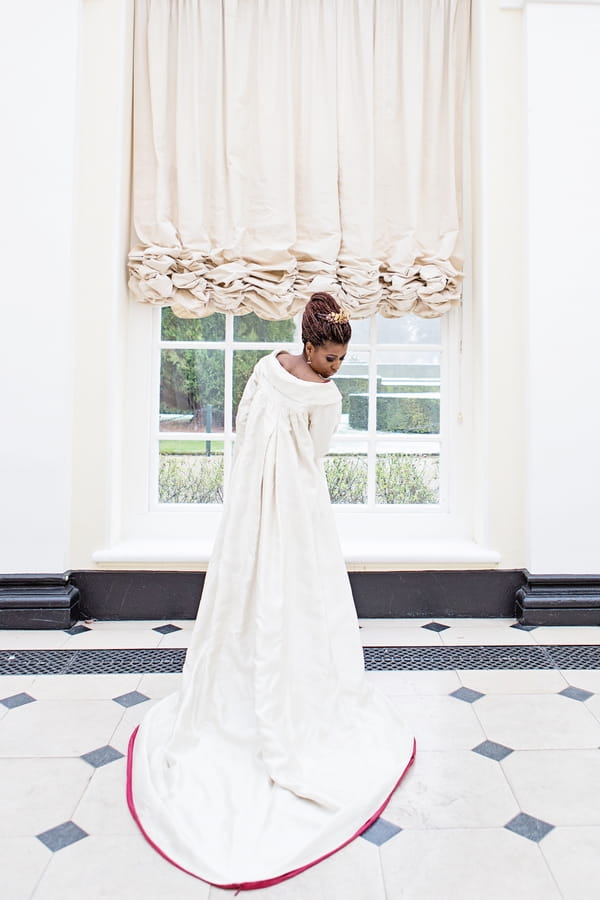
285	359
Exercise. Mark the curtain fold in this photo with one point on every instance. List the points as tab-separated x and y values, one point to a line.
286	146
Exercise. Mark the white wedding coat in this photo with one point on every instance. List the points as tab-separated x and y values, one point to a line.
276	751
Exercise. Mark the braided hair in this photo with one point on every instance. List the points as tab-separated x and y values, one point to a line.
324	320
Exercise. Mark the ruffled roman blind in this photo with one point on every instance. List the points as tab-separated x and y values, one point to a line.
286	146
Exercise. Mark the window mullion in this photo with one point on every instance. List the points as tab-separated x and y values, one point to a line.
228	401
372	416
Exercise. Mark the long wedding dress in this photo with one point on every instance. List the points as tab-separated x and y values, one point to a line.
276	751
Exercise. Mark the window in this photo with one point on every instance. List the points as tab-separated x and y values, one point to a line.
388	450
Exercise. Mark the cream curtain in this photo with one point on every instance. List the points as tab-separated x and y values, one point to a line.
287	146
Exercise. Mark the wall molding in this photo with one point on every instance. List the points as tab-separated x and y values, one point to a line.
38	601
559	600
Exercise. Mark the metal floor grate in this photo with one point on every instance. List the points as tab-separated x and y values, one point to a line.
377	659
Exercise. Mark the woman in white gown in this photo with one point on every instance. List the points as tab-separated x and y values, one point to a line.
276	751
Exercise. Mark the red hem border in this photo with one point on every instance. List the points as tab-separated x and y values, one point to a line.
267	882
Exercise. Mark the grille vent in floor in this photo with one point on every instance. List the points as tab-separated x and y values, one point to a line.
377	659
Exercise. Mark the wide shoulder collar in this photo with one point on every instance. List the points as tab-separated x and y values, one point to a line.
313	392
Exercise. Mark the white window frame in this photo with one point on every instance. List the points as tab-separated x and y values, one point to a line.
144	531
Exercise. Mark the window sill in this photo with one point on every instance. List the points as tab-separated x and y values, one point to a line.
360	555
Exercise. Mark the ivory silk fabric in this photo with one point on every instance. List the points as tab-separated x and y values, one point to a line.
286	146
276	751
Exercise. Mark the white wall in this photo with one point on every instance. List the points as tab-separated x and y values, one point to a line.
38	80
563	83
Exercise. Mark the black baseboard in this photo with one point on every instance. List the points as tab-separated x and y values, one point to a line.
38	601
58	601
476	593
175	595
559	600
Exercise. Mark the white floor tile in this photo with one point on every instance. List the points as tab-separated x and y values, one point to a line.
440	723
354	873
561	787
58	727
14	684
588	679
465	865
573	855
399	637
114	639
100	867
83	687
177	639
132	717
159	684
414	682
186	624
593	705
32	640
566	634
394	623
486	636
37	794
103	808
127	624
513	681
22	863
496	622
538	722
452	789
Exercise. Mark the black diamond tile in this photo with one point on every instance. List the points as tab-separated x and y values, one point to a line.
492	750
467	694
61	836
131	699
102	756
575	693
77	629
380	831
529	827
167	629
17	700
436	626
519	627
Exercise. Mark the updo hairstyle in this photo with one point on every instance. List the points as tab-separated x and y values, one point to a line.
324	320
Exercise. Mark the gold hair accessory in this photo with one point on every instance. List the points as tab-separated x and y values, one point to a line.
337	318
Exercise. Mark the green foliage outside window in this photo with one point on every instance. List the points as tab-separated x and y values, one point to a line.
194	379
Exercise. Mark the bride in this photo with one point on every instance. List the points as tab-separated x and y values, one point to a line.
276	752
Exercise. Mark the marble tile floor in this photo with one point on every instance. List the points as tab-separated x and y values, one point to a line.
502	803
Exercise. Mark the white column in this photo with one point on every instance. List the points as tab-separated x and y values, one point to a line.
38	83
563	79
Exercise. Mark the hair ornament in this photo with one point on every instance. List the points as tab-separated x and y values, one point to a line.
337	318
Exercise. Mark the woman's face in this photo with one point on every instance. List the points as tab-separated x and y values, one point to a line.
327	358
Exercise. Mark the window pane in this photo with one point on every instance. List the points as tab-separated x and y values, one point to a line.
361	329
211	328
409	329
407	477
252	328
192	385
353	383
346	473
190	477
408	396
243	364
